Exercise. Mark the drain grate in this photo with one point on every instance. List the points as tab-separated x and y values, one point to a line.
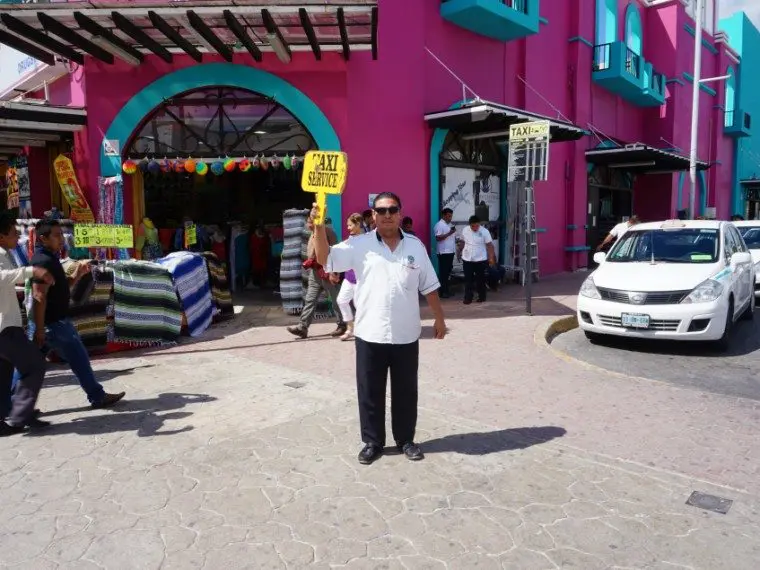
295	385
709	502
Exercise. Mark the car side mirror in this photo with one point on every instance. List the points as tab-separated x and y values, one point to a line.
599	257
741	257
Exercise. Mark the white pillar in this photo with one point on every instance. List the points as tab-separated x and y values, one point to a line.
695	109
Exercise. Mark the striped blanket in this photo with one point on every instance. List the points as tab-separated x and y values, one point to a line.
90	299
190	275
146	309
220	288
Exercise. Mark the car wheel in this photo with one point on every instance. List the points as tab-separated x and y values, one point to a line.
593	338
749	312
723	342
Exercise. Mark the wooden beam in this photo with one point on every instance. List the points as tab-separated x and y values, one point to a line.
91	26
344	34
25	47
140	37
165	28
32	34
242	35
208	34
373	24
273	28
310	34
55	27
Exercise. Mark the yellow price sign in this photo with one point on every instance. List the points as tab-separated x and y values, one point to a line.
324	172
103	235
191	235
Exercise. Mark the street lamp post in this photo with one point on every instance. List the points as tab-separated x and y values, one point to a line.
695	108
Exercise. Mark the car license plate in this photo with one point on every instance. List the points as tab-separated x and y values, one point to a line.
632	321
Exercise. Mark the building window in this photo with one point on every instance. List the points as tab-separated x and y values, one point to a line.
606	21
633	32
709	14
730	103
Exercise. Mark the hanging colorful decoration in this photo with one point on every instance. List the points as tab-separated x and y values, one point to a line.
166	165
275	162
201	168
129	167
245	165
230	164
256	163
154	167
179	166
295	162
143	165
287	162
190	165
217	168
264	163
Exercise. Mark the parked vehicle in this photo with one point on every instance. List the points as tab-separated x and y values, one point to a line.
750	231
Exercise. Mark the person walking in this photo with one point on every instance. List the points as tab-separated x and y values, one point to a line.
50	326
16	350
477	254
445	237
393	269
348	287
319	281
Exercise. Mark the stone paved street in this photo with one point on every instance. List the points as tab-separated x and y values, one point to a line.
239	452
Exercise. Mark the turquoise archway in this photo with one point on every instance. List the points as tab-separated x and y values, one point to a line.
606	21
230	75
633	32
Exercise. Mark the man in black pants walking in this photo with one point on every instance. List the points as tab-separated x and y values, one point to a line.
392	270
445	236
17	351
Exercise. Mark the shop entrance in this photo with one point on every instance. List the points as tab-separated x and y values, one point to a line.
610	201
229	160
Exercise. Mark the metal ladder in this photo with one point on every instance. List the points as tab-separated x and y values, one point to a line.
527	235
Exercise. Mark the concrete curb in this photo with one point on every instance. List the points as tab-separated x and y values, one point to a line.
558	327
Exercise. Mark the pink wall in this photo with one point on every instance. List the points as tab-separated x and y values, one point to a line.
377	107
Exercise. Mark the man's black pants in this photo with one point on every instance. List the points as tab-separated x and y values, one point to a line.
475	278
445	264
373	361
17	351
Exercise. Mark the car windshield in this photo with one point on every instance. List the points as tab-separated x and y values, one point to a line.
680	245
751	235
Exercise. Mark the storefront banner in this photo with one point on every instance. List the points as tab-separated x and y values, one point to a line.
103	235
67	178
465	188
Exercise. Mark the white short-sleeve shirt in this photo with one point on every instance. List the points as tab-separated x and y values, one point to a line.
475	244
619	230
447	245
388	285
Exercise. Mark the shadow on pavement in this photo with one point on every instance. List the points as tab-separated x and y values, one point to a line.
485	443
101	375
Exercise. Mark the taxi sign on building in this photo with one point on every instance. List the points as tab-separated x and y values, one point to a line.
529	131
324	172
529	151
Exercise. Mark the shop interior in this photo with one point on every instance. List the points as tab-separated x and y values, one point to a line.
229	161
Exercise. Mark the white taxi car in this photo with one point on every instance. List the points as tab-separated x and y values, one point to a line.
750	231
679	280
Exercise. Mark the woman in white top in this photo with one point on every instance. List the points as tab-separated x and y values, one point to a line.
477	254
346	293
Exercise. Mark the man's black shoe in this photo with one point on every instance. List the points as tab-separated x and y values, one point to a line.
35	424
412	451
340	331
6	429
370	454
298	331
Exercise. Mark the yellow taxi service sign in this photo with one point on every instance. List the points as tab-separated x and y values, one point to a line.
529	131
324	172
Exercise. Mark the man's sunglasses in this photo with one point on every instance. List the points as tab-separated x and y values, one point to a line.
393	210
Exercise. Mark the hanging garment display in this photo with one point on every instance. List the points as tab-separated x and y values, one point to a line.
291	268
190	276
111	207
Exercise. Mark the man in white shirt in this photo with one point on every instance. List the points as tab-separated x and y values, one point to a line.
16	350
446	241
477	254
392	270
617	232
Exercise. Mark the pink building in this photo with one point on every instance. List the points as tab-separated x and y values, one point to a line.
392	83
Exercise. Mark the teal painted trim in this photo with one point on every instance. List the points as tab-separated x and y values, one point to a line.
575	248
581	40
436	148
606	21
721	107
705	43
572	227
737	195
228	75
541	230
681	180
675	80
633	30
718	162
702	192
543	20
690	78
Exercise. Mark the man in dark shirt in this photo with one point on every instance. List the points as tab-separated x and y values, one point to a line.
50	325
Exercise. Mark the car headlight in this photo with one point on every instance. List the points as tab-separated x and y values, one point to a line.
588	289
705	292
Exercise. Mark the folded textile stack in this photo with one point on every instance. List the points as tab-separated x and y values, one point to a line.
220	288
91	297
191	282
146	308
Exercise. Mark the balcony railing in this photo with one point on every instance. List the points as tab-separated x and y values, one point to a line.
732	116
632	63
657	82
519	5
602	57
